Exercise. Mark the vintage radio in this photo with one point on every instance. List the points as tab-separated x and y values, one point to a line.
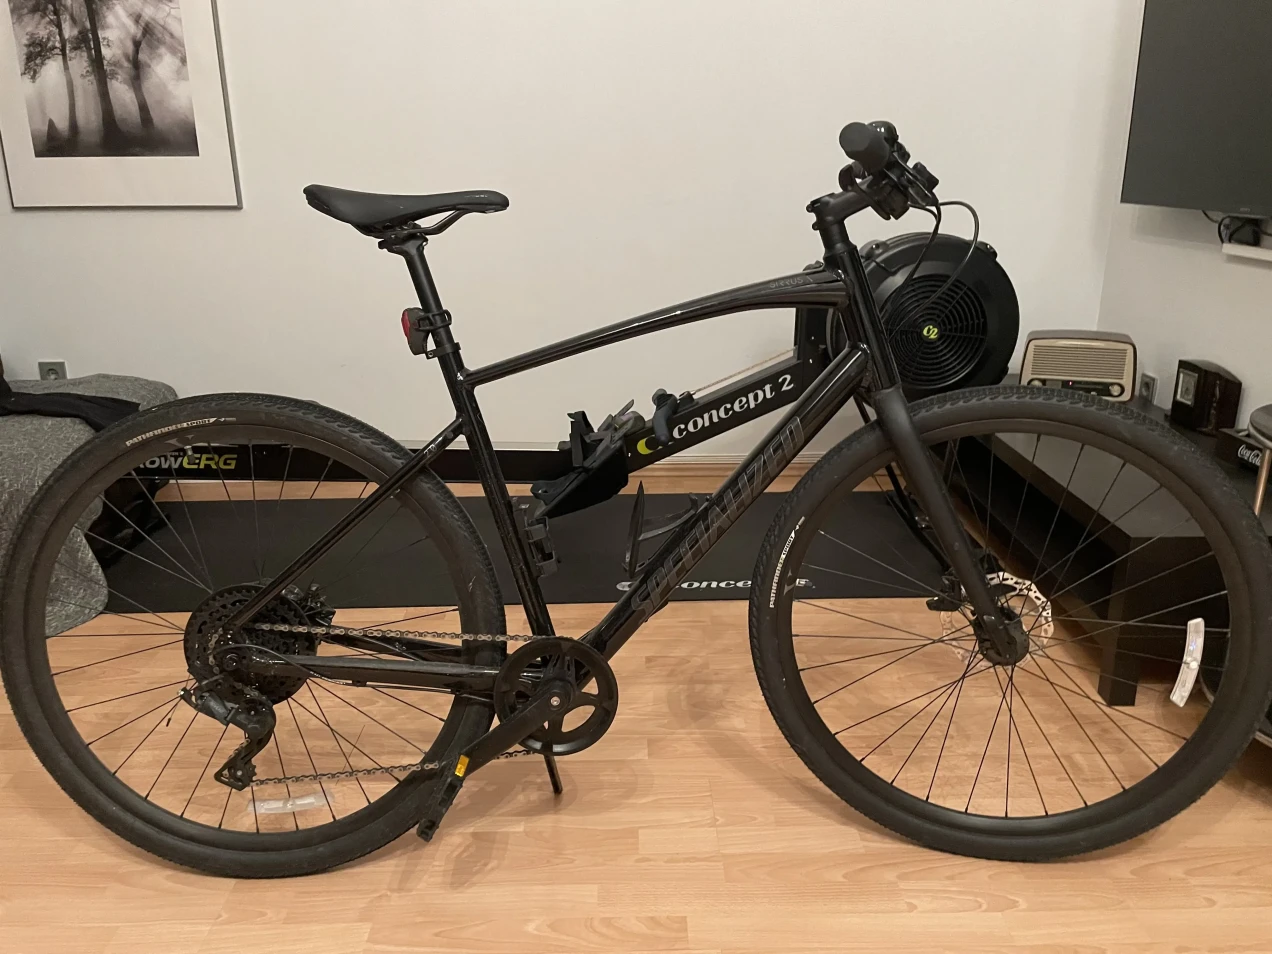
1095	362
1205	397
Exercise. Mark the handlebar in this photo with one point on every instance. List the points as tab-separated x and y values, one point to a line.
880	176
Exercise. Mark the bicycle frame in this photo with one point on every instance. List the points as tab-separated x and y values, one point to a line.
842	286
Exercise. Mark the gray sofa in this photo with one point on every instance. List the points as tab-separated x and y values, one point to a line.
31	447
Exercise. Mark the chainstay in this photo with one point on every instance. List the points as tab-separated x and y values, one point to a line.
387	633
421	766
429	767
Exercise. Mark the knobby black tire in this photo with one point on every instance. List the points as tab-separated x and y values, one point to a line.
54	740
1198	764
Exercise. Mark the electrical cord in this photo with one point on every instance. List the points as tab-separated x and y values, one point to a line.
954	275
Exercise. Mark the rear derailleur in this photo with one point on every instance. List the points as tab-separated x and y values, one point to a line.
250	711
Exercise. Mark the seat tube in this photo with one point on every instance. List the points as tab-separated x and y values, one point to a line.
486	462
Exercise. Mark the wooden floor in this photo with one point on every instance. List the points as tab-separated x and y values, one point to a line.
690	827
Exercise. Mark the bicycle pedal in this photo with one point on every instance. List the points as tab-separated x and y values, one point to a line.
448	787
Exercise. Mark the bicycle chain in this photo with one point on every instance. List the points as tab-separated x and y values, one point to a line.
382	634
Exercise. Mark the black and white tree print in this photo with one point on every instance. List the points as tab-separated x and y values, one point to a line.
105	77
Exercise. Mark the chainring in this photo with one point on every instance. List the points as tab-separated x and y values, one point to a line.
570	663
205	633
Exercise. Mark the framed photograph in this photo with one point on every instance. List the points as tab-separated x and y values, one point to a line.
115	103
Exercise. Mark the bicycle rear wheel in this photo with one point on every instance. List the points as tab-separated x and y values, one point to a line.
1103	534
150	535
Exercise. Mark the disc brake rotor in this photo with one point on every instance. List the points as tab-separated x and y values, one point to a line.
1022	596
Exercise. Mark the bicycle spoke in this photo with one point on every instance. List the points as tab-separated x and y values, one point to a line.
1025	752
367	542
873	639
125	725
198	544
1042	676
873	622
1073	682
198	781
1055	517
411	704
184	574
866	579
1020	509
278	503
919	583
1046	738
154	504
988	740
873	672
353	745
885	652
931	722
282	771
137	556
408	619
256	517
126	695
945	739
193	715
313	767
367	715
334	738
899	705
135	652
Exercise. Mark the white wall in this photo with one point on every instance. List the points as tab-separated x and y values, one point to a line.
1169	286
1171	289
653	151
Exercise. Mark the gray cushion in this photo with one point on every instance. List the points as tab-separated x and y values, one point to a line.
31	447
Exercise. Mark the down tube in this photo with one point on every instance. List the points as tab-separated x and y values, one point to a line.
677	557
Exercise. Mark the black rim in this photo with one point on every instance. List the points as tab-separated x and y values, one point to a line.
892	690
111	682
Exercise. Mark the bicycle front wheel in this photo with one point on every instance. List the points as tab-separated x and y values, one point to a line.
1107	538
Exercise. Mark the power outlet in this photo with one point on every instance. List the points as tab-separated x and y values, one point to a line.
52	370
1148	387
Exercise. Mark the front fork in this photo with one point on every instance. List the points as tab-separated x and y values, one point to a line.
924	482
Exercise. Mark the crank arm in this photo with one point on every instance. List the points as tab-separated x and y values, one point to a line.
549	700
362	670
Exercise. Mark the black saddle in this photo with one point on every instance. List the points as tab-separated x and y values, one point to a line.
374	212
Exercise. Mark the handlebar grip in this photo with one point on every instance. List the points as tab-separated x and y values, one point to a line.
866	145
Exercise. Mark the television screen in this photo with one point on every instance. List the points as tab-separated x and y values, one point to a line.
1201	127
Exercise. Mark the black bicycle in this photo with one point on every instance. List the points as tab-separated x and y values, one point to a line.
932	614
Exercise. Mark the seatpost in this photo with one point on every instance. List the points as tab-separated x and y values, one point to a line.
412	250
446	351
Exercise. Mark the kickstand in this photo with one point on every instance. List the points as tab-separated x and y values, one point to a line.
553	775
